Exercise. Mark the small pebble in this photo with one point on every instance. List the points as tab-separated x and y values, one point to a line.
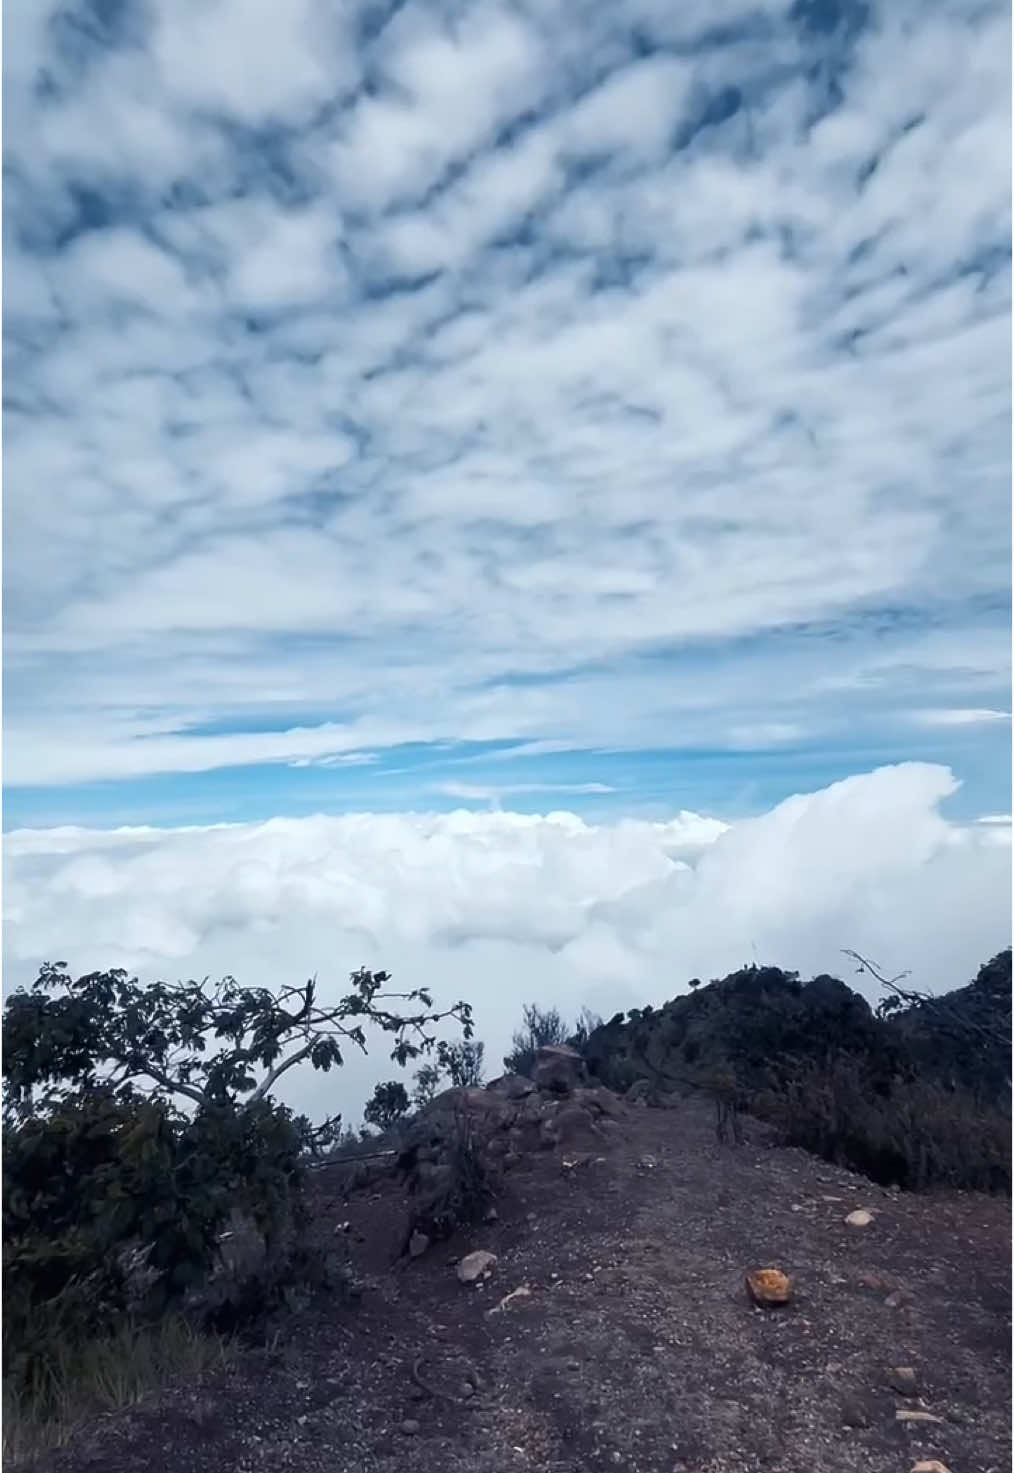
410	1427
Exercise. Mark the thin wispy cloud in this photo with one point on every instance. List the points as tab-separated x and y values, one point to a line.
551	375
960	716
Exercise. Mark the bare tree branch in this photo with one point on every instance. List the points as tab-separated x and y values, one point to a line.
944	1008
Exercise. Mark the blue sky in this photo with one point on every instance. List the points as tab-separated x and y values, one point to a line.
534	406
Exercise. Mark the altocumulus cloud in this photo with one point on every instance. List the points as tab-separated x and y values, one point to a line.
503	907
386	374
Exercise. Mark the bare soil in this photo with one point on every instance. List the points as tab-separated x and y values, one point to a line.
637	1348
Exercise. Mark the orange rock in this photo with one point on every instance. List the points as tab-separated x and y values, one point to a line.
768	1286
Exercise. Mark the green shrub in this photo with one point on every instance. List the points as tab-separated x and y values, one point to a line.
116	1201
105	1373
457	1188
910	1132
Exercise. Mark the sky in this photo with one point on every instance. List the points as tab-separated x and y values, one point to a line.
454	444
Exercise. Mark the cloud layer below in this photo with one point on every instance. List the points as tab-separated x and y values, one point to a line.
501	908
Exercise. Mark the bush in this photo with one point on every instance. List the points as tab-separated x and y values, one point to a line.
545	1028
106	1373
115	1200
911	1132
387	1105
917	1092
458	1188
463	1063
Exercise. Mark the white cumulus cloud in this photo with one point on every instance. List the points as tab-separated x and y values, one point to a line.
500	907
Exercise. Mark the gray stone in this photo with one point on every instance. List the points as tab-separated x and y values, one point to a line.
559	1069
418	1243
638	1092
512	1086
476	1266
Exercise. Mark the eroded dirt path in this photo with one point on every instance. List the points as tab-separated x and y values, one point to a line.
636	1348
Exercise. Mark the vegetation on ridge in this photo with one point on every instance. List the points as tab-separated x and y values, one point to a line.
915	1093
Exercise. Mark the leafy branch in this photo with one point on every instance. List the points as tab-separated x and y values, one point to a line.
207	1042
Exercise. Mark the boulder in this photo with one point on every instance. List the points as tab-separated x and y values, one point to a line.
512	1086
574	1126
597	1101
559	1069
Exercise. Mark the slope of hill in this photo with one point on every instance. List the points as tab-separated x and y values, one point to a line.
918	1095
615	1332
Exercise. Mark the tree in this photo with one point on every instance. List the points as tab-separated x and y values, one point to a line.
142	1114
584	1027
209	1044
387	1105
945	1010
427	1081
463	1062
542	1028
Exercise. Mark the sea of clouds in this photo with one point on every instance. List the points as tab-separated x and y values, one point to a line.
500	908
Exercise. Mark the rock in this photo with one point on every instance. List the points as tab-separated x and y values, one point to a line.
559	1069
638	1092
930	1465
574	1126
860	1218
417	1244
904	1380
898	1298
597	1100
908	1416
855	1412
409	1427
476	1266
512	1086
768	1287
584	1158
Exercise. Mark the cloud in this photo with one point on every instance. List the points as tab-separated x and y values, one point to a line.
586	375
493	793
502	907
959	716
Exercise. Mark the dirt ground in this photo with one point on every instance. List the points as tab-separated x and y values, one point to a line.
636	1348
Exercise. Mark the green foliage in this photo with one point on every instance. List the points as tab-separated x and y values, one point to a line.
106	1373
456	1193
917	1092
584	1026
542	1028
915	1134
115	1199
200	1041
388	1103
427	1082
463	1063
